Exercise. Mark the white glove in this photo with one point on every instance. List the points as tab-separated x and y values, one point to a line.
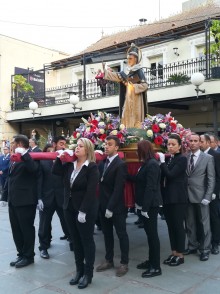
99	151
70	152
145	214
162	157
138	206
40	205
108	213
213	196
81	217
20	150
60	152
205	202
3	203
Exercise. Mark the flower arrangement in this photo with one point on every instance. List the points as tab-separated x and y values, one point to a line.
97	128
159	127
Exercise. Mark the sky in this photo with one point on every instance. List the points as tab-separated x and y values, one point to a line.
71	25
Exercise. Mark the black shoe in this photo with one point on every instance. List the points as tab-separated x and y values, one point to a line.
24	262
176	261
204	256
169	259
75	280
84	282
141	226
64	237
144	265
13	263
190	251
138	221
152	272
71	246
44	254
215	250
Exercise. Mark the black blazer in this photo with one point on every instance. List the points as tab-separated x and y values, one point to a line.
147	185
21	187
83	191
111	189
174	180
51	186
36	149
216	156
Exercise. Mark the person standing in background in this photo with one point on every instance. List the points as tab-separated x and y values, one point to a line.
215	203
33	147
4	165
201	185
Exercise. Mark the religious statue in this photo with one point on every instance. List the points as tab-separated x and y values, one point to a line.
133	87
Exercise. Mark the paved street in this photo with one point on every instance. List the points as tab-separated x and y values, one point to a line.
53	275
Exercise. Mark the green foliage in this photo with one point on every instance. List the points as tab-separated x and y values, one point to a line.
215	47
20	85
178	78
135	135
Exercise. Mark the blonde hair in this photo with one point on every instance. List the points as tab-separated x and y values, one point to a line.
89	148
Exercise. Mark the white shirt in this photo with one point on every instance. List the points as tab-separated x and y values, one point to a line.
76	171
111	159
207	150
196	156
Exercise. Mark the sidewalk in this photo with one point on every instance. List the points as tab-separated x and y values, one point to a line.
53	275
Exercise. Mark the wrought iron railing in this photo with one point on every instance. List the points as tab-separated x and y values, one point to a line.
162	76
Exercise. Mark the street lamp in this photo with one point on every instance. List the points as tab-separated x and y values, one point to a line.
198	79
74	99
34	106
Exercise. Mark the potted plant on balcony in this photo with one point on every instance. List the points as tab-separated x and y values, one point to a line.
22	90
178	78
215	49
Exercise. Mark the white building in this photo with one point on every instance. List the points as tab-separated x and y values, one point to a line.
171	47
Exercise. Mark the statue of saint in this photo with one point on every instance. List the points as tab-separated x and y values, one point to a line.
133	87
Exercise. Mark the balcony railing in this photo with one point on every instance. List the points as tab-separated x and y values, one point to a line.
163	76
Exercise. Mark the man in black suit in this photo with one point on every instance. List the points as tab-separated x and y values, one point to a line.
214	142
33	147
113	174
215	203
21	191
52	197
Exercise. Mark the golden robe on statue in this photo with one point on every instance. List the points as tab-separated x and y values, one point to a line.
133	103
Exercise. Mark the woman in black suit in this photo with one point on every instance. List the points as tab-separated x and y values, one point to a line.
174	192
148	199
80	207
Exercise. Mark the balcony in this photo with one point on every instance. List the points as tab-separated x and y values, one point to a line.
169	75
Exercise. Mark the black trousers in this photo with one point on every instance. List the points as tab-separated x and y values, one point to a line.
23	230
117	221
44	232
175	215
81	235
215	220
150	227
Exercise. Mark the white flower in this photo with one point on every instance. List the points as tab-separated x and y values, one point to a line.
101	131
162	125
114	132
101	124
88	130
179	126
150	133
77	135
72	146
122	127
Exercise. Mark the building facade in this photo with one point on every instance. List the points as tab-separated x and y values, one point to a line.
173	49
